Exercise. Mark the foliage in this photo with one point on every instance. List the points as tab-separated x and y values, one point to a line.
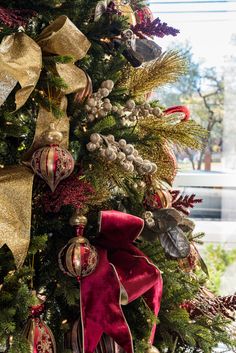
217	259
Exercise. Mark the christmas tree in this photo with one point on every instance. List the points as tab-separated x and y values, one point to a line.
97	253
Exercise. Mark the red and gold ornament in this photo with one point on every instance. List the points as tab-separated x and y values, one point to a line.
38	334
52	162
78	258
143	14
158	197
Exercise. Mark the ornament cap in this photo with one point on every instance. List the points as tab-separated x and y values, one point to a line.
77	219
52	135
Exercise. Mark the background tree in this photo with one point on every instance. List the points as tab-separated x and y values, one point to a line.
203	91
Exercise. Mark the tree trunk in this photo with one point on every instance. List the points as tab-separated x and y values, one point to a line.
199	164
191	158
207	160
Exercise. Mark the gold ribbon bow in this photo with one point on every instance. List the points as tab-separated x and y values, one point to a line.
21	62
21	59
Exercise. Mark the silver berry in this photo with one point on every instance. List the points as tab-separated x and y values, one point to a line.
95	138
139	160
102	113
94	111
135	153
87	108
108	84
104	92
130	104
91	117
115	108
122	143
102	152
128	149
91	147
157	111
91	102
130	157
112	157
121	156
154	168
109	151
107	106
111	138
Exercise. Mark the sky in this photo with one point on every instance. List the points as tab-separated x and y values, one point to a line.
208	25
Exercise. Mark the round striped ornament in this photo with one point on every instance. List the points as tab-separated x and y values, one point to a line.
78	258
53	164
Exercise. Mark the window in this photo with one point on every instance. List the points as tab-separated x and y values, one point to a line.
208	36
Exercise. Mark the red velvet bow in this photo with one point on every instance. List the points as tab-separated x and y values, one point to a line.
121	268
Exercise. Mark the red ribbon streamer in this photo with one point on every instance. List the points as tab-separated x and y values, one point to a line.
179	109
120	264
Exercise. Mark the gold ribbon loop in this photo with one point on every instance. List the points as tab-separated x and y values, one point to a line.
62	37
20	61
75	78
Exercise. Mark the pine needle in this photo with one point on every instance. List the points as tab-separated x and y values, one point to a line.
166	69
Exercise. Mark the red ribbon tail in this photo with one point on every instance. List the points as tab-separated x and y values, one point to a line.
100	307
139	277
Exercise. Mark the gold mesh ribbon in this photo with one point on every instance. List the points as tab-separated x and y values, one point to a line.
21	62
44	119
15	211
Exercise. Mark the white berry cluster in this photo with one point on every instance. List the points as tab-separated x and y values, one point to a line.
121	151
131	112
98	105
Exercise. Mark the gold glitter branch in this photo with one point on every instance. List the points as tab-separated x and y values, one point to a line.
163	135
184	134
166	69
